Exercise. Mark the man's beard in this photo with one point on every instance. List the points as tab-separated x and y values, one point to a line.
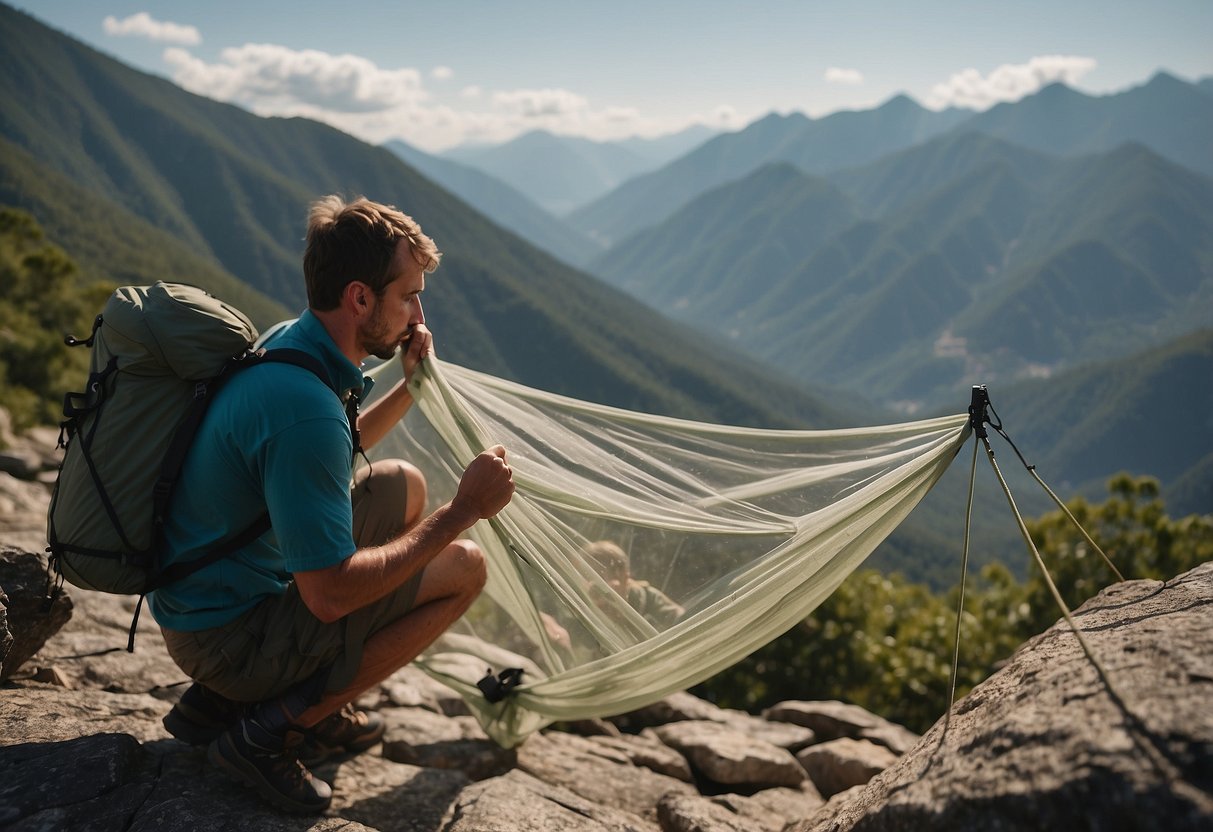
376	340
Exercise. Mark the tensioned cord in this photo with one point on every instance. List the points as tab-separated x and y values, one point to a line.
996	424
1137	730
960	604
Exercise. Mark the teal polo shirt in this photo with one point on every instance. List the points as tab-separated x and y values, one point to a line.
275	439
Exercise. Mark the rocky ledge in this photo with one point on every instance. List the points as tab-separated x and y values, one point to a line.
1045	743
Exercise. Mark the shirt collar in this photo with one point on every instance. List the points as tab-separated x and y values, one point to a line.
307	332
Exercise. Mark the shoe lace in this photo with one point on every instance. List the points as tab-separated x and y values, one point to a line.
288	765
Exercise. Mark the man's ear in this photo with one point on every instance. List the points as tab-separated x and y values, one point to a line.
357	296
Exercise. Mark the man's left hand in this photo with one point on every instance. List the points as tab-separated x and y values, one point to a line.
419	346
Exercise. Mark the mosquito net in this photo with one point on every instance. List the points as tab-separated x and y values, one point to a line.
642	554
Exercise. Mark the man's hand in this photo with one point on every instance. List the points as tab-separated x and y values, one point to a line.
420	345
557	634
486	486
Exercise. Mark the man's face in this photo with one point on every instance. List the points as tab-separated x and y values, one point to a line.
399	309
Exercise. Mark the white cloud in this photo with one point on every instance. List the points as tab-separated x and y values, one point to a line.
1009	82
441	73
275	79
144	25
838	75
621	115
541	103
376	104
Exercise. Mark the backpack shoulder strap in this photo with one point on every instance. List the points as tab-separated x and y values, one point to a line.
308	361
174	458
299	358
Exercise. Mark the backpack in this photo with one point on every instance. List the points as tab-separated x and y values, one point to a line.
159	355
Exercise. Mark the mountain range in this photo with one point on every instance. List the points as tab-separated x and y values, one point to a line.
234	188
962	257
139	180
503	203
561	173
1054	236
1168	115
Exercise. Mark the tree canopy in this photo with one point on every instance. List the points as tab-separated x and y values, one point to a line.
886	643
40	301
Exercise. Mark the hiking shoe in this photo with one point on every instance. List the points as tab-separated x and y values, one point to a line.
347	731
269	764
201	715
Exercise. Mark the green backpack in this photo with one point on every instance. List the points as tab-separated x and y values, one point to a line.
159	355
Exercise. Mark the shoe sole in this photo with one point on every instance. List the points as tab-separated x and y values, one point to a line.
244	772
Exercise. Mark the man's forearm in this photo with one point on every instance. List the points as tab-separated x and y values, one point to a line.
380	416
375	571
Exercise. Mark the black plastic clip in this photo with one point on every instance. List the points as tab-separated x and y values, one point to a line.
496	688
73	341
979	408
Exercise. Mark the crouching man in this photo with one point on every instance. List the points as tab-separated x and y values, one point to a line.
348	586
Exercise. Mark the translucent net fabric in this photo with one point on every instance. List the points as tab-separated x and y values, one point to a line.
643	554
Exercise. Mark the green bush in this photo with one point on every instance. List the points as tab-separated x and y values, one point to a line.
40	301
1133	530
886	644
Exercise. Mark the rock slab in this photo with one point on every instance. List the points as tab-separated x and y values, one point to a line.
1045	744
34	611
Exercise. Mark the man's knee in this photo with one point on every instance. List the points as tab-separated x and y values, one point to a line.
457	572
469	564
389	498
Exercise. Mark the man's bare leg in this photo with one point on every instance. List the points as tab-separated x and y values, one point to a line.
449	585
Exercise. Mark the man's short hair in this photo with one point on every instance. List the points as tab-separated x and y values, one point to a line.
356	241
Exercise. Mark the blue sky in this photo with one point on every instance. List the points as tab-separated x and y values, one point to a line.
439	73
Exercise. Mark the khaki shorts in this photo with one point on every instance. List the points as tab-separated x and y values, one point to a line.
279	643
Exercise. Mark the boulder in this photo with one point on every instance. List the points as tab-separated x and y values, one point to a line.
686	707
34	610
686	813
1047	743
21	463
382	794
410	687
36	712
837	765
39	776
831	720
419	737
596	772
727	756
646	750
518	801
674	708
771	808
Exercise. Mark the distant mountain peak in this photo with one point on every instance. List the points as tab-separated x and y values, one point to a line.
1162	78
900	103
774	117
1056	91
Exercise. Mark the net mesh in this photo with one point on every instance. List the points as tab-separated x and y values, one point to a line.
642	554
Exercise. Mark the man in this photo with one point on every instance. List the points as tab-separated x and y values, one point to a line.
347	587
614	566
